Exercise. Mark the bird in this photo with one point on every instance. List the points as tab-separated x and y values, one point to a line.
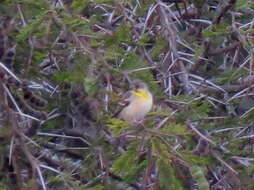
138	102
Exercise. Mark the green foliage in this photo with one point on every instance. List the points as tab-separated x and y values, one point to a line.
38	56
54	180
198	174
80	24
131	61
5	131
161	150
196	160
90	85
33	7
91	59
195	110
249	31
183	98
96	187
159	47
2	185
248	118
167	176
144	40
68	77
70	181
217	30
235	145
52	124
35	27
105	1
201	107
117	126
241	4
145	5
39	4
121	35
250	169
5	8
128	166
231	75
90	163
79	5
199	3
76	23
175	129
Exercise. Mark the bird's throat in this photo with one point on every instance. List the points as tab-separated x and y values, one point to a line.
141	94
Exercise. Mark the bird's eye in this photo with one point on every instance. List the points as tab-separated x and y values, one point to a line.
136	86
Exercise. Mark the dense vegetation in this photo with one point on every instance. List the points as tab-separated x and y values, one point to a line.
65	63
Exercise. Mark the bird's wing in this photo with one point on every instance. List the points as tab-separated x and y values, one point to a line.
125	101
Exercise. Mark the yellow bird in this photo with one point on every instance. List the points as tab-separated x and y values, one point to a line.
138	103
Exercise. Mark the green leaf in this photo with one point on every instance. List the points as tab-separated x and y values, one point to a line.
167	177
195	110
97	187
117	126
144	40
79	5
90	85
160	150
194	159
35	27
217	30
241	4
175	129
231	75
68	76
128	166
123	34
198	175
159	47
